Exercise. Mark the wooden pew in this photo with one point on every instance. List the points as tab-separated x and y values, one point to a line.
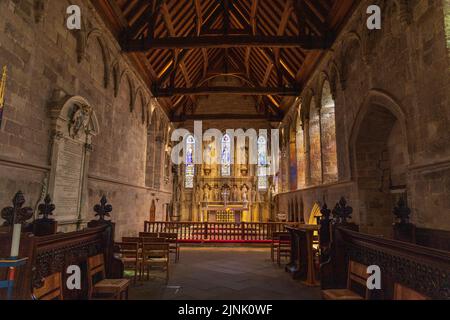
425	271
408	270
54	253
404	293
357	276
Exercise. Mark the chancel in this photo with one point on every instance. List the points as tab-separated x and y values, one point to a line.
224	150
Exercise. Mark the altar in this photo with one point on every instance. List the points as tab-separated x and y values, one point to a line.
224	212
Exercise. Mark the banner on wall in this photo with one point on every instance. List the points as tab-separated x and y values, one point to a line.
2	93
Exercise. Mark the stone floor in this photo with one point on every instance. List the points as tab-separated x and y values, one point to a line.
223	273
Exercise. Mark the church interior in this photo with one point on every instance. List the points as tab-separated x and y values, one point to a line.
225	149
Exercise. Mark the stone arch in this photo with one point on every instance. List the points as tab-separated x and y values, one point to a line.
96	35
64	110
126	76
307	99
380	98
151	147
81	40
350	43
315	149
334	77
379	160
328	131
159	150
116	72
140	97
301	148
151	109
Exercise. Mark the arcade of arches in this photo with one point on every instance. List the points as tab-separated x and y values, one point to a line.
365	117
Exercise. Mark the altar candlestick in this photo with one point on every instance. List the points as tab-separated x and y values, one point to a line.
16	240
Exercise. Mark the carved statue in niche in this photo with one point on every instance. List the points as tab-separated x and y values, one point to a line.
254	194
244	193
271	193
79	121
178	195
206	193
198	195
225	193
216	193
235	194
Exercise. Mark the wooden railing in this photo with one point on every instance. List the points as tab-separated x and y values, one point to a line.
215	231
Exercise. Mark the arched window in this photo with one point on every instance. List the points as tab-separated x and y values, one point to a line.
262	163
328	135
315	149
226	156
190	165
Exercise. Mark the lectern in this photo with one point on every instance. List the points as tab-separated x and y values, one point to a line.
301	264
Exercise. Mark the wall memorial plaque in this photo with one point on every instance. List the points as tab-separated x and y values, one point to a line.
74	124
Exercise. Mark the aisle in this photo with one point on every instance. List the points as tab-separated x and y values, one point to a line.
224	273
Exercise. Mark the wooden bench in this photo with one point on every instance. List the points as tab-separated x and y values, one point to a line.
403	266
53	254
357	276
51	290
102	288
404	293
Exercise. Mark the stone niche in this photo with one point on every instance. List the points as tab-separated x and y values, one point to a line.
74	123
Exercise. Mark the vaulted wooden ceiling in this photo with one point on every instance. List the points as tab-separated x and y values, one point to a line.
272	46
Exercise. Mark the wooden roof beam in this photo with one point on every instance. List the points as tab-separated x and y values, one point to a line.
199	15
170	27
198	91
172	42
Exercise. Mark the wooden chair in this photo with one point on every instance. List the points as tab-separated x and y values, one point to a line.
274	243
51	290
102	288
284	247
155	255
129	254
131	240
357	276
404	293
174	245
153	240
148	235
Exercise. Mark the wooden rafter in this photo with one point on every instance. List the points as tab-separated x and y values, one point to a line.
229	41
181	43
199	91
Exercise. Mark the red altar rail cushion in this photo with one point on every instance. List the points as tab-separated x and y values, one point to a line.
225	241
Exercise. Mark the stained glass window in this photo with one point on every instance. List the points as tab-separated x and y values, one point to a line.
262	163
226	156
190	165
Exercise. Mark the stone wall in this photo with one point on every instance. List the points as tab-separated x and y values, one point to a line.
44	57
404	70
